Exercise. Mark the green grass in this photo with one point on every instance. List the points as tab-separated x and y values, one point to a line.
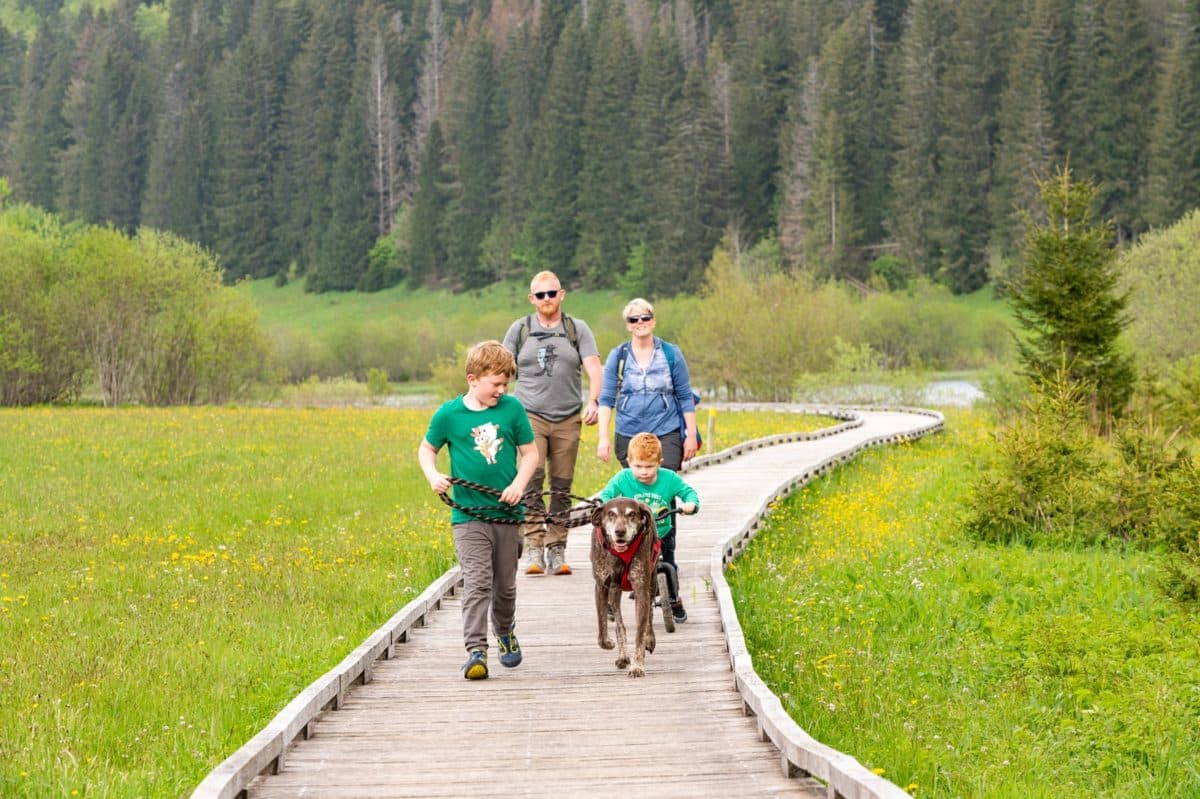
169	579
472	315
960	669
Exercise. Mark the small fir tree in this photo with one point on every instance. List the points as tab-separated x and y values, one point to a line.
1066	298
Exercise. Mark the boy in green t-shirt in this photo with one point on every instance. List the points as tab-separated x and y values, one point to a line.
491	444
646	481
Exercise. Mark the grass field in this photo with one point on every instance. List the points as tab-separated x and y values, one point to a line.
962	670
473	315
169	579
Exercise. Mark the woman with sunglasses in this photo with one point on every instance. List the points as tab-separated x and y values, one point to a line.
646	382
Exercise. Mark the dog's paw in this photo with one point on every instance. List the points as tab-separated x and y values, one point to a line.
622	662
650	642
637	671
606	643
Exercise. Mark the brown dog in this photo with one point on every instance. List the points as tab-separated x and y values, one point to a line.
623	557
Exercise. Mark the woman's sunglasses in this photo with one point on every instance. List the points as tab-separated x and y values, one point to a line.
633	320
541	295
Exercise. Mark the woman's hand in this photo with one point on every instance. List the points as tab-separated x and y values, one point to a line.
603	450
690	447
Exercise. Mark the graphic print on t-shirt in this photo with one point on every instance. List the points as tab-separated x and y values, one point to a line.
546	356
487	440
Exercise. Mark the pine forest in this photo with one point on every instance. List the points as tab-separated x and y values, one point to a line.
358	144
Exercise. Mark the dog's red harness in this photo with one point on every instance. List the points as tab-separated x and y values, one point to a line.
631	550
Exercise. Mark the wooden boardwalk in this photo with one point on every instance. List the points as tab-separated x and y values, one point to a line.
567	722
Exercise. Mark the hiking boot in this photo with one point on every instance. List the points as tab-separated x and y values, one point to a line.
677	611
476	666
537	561
558	561
510	650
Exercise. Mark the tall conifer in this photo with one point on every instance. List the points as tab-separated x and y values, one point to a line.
1173	179
605	182
250	96
474	123
551	229
39	130
179	179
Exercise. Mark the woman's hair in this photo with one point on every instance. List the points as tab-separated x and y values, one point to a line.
644	447
636	305
490	358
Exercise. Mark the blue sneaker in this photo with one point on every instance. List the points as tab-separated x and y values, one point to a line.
476	665
510	650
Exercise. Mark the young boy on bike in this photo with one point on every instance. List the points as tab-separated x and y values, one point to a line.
648	482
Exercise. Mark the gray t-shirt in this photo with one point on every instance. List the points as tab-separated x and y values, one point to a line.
549	369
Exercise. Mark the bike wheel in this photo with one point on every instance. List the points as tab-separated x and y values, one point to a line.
664	601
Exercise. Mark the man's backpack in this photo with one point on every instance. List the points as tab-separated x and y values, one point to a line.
570	333
669	351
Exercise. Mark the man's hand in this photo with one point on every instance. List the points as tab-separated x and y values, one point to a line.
591	412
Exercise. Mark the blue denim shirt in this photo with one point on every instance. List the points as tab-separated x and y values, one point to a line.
648	398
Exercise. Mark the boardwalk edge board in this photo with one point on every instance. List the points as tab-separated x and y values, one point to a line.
801	754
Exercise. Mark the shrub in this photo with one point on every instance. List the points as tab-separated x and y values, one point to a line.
377	382
1043	490
38	363
1177	525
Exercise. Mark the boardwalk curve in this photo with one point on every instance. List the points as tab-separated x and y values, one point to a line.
396	719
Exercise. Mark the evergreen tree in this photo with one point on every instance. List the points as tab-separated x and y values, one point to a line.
12	53
692	190
521	76
918	129
349	232
319	88
39	129
606	187
179	179
249	101
551	229
102	172
1111	93
1028	134
659	85
383	117
474	123
427	252
1173	180
762	67
847	171
1067	300
969	89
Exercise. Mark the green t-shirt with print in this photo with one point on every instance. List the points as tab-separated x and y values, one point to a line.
658	496
483	449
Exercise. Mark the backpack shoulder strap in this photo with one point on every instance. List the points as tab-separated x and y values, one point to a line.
523	333
669	352
572	333
622	354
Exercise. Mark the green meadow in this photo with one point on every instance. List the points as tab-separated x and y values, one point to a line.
962	670
170	578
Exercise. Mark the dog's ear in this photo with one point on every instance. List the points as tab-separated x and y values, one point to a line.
648	522
597	515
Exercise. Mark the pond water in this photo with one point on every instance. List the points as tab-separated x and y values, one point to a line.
945	393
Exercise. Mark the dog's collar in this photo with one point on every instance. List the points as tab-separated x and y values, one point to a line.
631	550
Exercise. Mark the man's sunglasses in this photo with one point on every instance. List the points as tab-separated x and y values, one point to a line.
541	295
633	320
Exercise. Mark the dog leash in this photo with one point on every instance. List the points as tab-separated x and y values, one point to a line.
576	516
